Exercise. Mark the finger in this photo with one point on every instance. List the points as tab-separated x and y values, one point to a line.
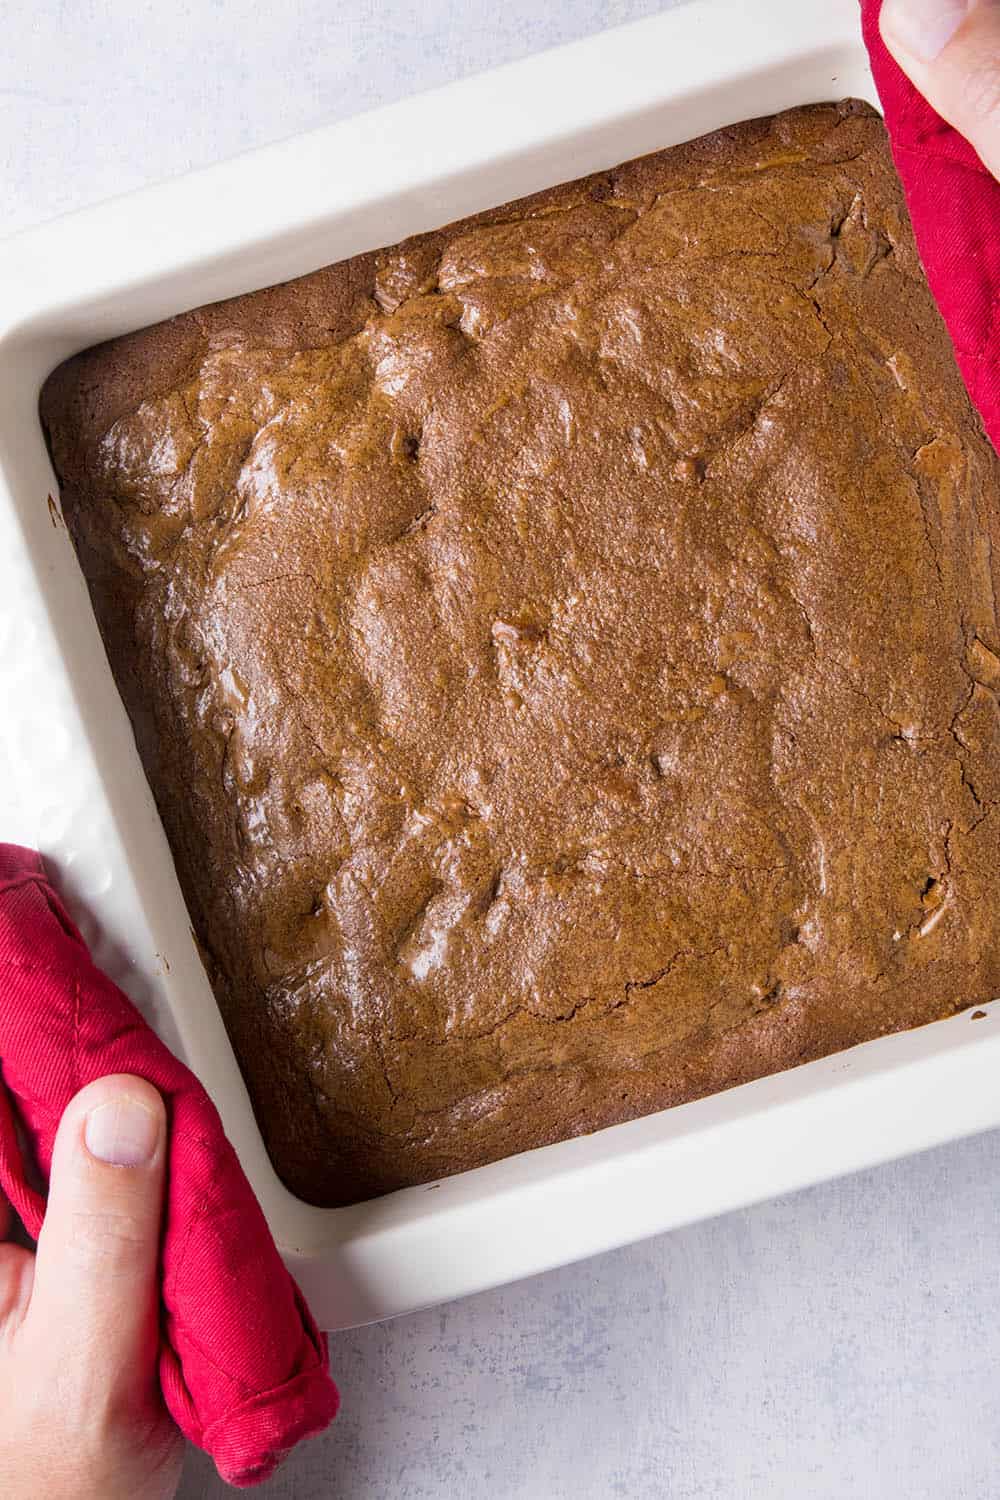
16	1275
950	49
97	1260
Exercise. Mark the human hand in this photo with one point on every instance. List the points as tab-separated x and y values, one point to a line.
950	50
81	1414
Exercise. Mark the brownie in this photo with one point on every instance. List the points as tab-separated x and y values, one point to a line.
563	648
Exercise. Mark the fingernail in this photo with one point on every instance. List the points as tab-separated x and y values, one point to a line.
923	28
123	1133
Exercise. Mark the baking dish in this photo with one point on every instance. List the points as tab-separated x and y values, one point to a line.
83	799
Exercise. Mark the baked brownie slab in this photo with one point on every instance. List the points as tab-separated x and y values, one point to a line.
563	649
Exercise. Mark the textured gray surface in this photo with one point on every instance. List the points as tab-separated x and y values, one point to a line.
99	96
838	1345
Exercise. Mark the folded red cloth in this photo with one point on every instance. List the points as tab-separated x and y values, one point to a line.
242	1363
954	203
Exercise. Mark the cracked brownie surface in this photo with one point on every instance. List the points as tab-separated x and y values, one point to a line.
563	648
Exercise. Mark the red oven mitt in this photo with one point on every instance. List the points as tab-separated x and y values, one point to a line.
242	1364
954	203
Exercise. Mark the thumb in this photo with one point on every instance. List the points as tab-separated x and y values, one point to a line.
950	49
96	1265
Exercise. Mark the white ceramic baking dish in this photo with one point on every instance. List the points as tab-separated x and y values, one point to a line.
81	793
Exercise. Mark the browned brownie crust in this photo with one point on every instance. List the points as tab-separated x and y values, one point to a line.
563	648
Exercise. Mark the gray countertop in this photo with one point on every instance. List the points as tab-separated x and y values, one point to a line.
841	1344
